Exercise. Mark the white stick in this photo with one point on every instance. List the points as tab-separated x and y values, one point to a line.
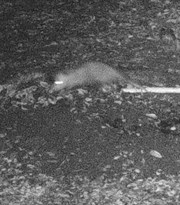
152	90
59	82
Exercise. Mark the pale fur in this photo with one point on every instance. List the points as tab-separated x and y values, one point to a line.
91	73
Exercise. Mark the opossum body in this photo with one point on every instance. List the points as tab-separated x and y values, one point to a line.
91	73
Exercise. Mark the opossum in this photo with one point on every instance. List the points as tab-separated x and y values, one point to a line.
92	73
